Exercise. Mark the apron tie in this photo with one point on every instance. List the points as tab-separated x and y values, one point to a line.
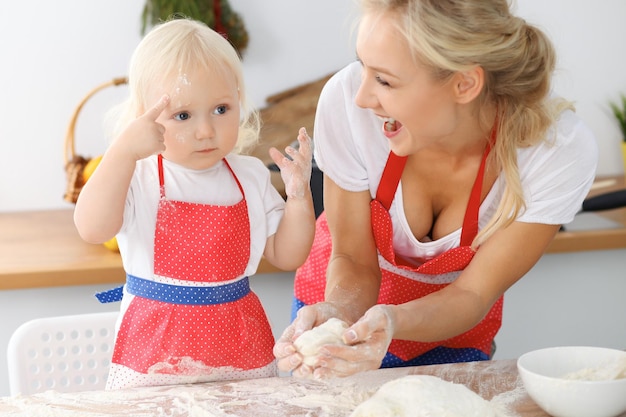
178	294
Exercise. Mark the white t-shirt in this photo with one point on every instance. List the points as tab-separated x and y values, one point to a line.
351	149
215	185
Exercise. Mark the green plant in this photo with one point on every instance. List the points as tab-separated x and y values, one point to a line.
217	14
619	111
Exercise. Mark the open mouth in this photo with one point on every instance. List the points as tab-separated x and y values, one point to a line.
391	125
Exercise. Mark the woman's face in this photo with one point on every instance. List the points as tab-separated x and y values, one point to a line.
202	120
416	110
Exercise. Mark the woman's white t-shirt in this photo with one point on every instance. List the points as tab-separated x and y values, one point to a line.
351	149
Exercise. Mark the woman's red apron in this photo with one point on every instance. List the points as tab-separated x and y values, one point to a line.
402	283
174	329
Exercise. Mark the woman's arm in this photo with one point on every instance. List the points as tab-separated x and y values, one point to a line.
498	264
353	275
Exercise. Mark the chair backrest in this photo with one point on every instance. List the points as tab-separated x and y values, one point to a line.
65	353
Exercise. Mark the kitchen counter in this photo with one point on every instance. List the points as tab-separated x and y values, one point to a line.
495	381
43	249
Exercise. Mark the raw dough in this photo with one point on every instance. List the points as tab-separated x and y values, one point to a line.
424	396
328	333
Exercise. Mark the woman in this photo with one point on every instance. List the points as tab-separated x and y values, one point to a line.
448	169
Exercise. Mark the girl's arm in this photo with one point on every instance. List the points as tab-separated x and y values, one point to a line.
99	210
289	247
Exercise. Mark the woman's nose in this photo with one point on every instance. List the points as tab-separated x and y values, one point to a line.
364	97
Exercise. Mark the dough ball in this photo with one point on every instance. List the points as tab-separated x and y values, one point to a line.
328	333
424	396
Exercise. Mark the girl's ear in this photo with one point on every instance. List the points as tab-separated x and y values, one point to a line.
469	84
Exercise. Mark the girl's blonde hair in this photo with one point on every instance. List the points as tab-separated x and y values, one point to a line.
518	60
169	50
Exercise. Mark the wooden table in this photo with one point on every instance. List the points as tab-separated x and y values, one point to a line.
43	249
495	381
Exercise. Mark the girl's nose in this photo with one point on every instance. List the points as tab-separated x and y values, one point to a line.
205	130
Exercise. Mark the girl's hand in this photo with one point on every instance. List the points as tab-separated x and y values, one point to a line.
288	359
368	340
143	136
295	172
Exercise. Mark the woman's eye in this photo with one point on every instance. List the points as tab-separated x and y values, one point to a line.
382	82
221	109
182	116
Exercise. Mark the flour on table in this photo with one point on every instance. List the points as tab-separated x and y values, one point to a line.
424	396
328	333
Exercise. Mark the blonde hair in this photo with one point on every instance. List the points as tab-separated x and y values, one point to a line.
168	49
518	60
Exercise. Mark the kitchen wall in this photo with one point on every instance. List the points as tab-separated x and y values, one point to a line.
55	52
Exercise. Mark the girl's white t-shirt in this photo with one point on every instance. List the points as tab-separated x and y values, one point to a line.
215	185
351	149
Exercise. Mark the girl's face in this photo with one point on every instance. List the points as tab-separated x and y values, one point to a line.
202	120
416	110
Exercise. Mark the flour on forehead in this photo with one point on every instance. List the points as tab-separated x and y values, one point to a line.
425	396
328	333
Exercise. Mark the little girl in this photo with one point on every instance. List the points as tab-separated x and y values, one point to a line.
193	217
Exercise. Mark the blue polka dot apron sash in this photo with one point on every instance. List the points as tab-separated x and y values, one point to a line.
402	283
188	330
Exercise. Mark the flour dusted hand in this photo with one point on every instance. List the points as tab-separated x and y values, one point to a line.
295	172
424	396
328	333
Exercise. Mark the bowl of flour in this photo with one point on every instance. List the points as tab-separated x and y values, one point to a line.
576	381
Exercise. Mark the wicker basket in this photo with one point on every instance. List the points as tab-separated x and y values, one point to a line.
74	164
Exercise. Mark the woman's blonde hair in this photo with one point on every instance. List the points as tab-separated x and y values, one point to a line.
170	49
518	61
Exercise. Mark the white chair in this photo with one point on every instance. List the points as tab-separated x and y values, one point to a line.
65	353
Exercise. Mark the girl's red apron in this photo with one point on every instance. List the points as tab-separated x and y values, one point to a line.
402	283
188	330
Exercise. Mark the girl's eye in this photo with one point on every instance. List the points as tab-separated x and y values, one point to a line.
221	109
182	116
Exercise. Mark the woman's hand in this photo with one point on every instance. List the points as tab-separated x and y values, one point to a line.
368	340
295	172
288	359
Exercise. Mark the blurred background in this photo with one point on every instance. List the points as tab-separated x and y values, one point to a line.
54	52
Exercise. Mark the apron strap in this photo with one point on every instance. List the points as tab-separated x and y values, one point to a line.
162	176
470	221
393	172
390	179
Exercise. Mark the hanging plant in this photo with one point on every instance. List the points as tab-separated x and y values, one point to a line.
217	14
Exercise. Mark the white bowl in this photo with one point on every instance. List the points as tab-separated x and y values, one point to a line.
544	373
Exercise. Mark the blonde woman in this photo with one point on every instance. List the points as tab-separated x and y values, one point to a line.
449	166
192	217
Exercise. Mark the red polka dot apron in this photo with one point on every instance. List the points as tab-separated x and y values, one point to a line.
194	329
402	283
